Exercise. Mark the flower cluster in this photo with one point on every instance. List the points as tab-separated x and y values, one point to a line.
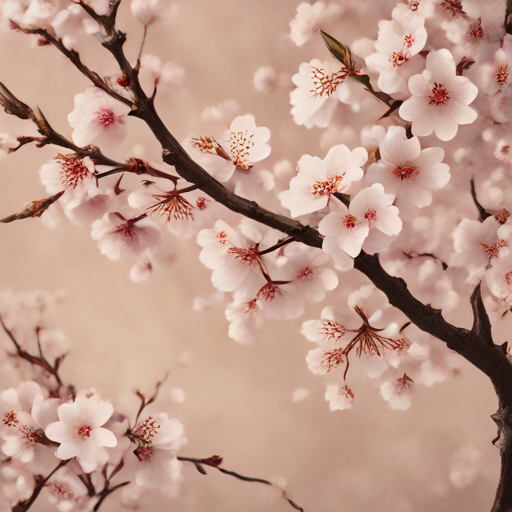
76	445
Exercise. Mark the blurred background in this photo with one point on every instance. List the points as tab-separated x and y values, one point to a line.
127	336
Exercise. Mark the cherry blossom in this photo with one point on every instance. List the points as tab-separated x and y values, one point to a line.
499	276
265	79
246	142
235	257
97	118
404	169
399	41
439	99
317	180
376	207
478	243
309	18
246	318
398	393
121	238
79	431
67	172
309	267
148	11
157	438
339	398
316	96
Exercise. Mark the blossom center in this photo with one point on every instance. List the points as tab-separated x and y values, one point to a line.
454	7
305	273
251	306
399	58
324	84
105	117
126	230
501	74
328	187
349	221
30	435
332	330
241	144
72	171
222	237
493	250
146	430
268	292
439	96
144	453
201	203
10	418
371	215
332	358
404	172
403	384
84	432
60	489
476	31
508	278
171	205
251	255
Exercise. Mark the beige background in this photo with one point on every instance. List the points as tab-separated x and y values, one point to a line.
126	336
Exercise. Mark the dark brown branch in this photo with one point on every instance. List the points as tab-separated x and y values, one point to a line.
481	210
412	255
106	493
481	323
216	460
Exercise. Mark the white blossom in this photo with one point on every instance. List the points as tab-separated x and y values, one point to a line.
439	99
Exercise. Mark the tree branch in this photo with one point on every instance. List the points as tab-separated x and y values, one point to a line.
216	460
481	323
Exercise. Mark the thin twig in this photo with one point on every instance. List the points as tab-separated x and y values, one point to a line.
37	361
214	462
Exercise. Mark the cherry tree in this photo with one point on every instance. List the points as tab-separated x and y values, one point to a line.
413	193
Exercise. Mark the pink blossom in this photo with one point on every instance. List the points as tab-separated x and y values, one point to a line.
404	169
439	99
246	143
398	393
121	238
246	318
309	19
346	230
317	180
316	96
308	266
377	208
97	118
148	11
398	42
478	243
265	79
234	257
79	431
499	276
339	398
